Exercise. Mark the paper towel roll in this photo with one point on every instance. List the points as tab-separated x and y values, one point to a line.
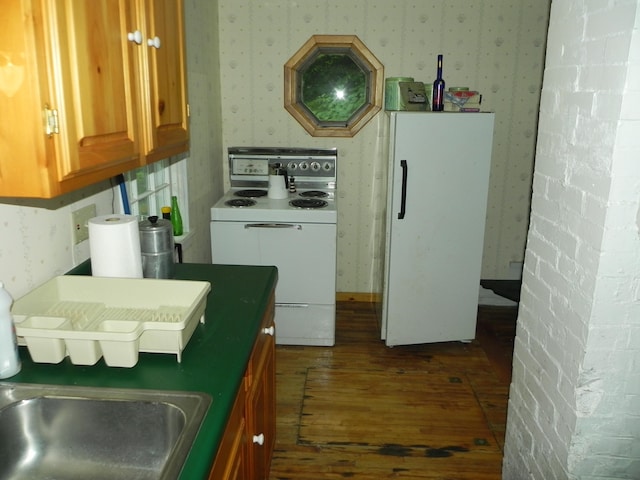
114	242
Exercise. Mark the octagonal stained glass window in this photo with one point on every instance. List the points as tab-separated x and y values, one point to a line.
333	85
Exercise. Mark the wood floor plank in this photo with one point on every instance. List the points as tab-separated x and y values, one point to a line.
415	436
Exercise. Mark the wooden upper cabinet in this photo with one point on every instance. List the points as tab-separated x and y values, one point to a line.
95	95
166	109
76	92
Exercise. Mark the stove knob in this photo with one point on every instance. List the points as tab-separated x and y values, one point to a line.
327	167
315	166
304	166
292	166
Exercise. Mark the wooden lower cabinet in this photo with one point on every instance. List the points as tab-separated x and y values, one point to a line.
249	438
261	415
231	457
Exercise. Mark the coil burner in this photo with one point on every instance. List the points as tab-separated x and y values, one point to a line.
251	193
308	203
314	194
240	202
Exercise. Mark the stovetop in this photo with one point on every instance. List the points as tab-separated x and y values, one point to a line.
314	172
266	209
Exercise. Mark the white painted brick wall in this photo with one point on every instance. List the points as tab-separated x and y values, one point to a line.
574	407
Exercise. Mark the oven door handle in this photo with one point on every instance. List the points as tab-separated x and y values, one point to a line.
273	225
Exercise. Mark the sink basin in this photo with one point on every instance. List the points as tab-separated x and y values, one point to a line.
67	432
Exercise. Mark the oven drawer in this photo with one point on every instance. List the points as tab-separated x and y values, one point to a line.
305	254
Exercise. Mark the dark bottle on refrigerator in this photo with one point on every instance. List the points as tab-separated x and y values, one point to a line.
438	89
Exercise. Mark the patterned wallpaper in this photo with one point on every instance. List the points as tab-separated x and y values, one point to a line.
36	236
494	46
206	159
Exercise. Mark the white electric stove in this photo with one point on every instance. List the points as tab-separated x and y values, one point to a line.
297	234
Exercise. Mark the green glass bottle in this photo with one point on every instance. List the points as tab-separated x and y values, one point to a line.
176	218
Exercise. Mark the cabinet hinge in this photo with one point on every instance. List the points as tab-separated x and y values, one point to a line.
50	121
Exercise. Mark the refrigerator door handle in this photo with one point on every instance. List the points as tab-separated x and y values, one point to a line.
403	200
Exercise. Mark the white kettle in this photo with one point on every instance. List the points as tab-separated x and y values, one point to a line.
278	182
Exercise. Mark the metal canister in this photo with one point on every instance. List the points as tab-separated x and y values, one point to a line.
156	246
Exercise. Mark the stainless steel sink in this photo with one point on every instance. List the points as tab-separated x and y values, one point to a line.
67	432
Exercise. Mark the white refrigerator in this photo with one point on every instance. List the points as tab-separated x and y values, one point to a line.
438	181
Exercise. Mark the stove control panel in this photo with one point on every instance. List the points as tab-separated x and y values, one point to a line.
323	167
245	166
312	168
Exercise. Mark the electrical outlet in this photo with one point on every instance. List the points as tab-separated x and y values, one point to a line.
80	222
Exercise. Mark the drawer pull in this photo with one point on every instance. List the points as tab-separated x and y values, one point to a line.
259	439
269	330
154	42
273	225
135	37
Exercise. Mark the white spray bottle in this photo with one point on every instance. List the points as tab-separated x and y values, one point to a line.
9	360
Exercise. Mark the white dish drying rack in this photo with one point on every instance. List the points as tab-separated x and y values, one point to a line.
87	318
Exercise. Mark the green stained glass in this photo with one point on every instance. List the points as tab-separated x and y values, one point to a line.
334	87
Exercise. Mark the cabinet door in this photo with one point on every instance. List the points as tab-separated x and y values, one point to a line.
69	115
164	79
230	461
24	165
261	405
263	419
91	77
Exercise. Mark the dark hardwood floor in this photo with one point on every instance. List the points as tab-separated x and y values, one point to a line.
361	410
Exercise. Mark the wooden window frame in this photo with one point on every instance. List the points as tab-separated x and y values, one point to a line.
353	46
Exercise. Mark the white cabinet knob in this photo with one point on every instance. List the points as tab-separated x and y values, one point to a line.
154	42
135	37
269	330
259	439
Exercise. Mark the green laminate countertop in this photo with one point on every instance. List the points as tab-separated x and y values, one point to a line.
214	360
